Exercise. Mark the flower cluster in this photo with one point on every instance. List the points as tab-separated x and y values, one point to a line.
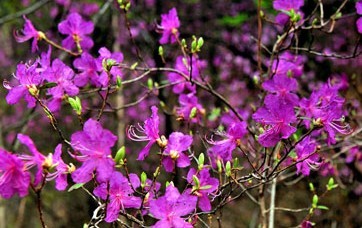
281	125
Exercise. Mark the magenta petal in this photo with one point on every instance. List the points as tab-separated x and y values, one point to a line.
145	151
27	141
113	209
180	222
86	43
84	173
168	164
15	94
183	161
132	202
287	131
61	182
135	181
359	25
68	43
81	79
101	191
204	203
87	27
157	208
185	204
13	178
163	224
359	7
105	169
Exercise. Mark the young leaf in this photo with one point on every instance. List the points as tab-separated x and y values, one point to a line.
75	186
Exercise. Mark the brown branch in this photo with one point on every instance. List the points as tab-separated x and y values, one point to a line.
37	5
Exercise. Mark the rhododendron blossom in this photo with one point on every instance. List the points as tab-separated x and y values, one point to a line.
36	159
120	194
76	30
177	143
206	186
170	207
169	27
276	118
150	129
94	145
29	79
307	160
222	150
29	32
14	179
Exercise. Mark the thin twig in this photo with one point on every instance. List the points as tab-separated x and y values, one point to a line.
26	11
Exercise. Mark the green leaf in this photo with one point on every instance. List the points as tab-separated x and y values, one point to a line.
196	181
143	179
235	163
228	169
311	187
150	83
205	187
315	201
201	161
119	82
134	65
76	186
331	185
321	207
121	153
200	43
193	113
160	50
219	166
76	104
215	113
234	21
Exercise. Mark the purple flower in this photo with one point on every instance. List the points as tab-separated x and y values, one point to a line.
120	194
304	150
183	64
289	65
29	32
94	143
276	119
170	207
332	122
359	25
188	102
169	27
287	4
222	150
207	185
105	54
62	170
29	79
325	106
281	86
306	224
359	7
89	67
13	177
36	159
76	29
62	75
150	129
177	143
354	154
